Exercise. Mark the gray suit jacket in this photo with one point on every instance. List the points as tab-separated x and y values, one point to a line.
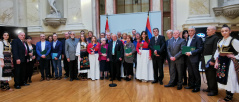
176	51
70	48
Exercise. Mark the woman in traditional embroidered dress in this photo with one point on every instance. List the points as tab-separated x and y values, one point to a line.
83	58
227	50
5	60
92	49
144	70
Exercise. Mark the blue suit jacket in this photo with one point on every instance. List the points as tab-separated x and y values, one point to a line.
57	49
38	49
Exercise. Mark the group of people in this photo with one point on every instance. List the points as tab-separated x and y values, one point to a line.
116	54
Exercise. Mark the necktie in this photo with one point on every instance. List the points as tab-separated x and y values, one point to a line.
156	39
174	42
113	50
25	48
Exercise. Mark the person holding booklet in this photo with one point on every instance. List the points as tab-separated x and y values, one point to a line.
129	51
56	51
144	71
104	67
157	46
43	49
208	61
194	48
32	59
93	49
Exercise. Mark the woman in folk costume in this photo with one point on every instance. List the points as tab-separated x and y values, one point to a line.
226	64
83	58
5	62
92	49
144	69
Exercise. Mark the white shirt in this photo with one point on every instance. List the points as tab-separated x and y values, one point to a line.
43	44
54	43
190	40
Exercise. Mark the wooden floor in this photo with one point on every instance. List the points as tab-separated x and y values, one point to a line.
99	91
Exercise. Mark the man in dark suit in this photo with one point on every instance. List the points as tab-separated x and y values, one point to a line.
56	50
43	49
20	54
66	64
158	55
174	50
102	35
115	55
70	50
194	81
108	38
169	35
210	46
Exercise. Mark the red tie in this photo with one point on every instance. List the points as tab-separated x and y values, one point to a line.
25	48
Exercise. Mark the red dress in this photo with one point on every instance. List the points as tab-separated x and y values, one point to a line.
90	47
145	46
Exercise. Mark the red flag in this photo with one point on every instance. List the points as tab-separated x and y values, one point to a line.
107	29
148	28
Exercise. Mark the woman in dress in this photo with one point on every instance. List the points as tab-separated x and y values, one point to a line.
32	57
5	60
92	49
226	52
83	58
129	51
104	67
144	70
185	36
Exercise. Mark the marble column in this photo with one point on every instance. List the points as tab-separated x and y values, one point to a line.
155	5
109	7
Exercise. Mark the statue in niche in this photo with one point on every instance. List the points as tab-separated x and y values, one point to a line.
54	13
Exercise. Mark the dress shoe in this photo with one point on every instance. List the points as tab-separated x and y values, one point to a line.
59	78
77	79
205	90
30	81
196	90
71	79
155	81
168	85
161	82
66	77
212	93
17	87
179	87
54	78
25	84
48	79
101	78
128	79
189	87
107	77
42	79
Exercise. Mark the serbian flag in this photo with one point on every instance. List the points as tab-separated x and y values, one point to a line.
148	28
107	29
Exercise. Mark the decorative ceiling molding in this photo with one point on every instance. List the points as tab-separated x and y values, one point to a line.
230	11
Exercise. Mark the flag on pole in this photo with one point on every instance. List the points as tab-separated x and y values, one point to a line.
107	29
148	28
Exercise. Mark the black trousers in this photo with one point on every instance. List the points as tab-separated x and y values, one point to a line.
73	69
176	74
128	68
19	73
66	66
194	75
45	71
115	68
158	68
211	79
29	70
185	79
51	68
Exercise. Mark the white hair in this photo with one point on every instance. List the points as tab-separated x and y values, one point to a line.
113	35
171	31
192	27
213	27
175	31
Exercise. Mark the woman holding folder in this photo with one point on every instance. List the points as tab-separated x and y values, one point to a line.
83	58
144	70
104	67
93	49
226	64
129	51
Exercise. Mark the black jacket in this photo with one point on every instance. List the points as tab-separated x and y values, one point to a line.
18	50
198	44
118	47
161	42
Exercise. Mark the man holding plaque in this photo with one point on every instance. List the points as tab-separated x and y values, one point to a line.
174	50
115	55
157	47
208	61
56	51
193	51
43	49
